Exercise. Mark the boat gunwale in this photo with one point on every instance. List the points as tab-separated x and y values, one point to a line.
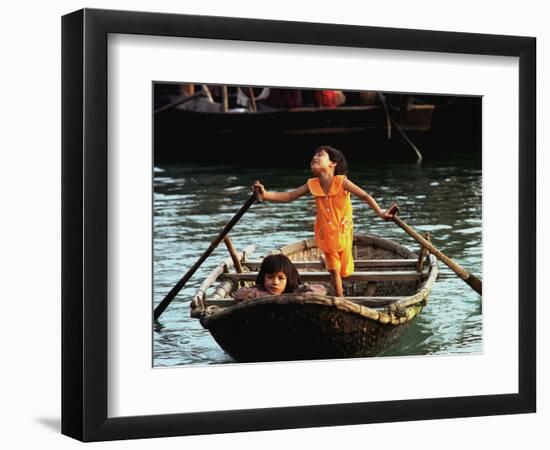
397	313
214	275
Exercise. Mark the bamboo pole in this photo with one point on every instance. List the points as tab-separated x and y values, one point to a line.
388	115
207	93
388	120
225	99
414	147
252	99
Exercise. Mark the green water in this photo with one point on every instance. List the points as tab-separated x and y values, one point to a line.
193	203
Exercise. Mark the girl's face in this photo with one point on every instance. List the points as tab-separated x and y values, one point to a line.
321	162
275	283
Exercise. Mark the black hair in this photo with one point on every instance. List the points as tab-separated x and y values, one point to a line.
337	157
279	263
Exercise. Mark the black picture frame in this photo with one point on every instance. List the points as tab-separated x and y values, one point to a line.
84	224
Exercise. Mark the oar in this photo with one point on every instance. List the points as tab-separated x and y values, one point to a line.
473	281
179	285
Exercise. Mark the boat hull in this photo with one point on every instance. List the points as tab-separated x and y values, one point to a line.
385	293
300	331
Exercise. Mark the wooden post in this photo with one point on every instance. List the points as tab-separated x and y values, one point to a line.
207	93
252	99
225	99
233	253
423	254
188	89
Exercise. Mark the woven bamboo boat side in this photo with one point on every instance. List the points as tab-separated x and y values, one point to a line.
306	326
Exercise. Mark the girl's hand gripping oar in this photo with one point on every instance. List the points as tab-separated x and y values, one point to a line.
179	285
473	281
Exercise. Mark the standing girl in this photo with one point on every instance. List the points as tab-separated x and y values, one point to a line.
334	220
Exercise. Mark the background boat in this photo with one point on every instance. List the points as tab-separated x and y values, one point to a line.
186	126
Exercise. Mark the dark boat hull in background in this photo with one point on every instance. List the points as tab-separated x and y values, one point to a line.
186	136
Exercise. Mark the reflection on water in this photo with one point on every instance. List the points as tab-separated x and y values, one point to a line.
193	203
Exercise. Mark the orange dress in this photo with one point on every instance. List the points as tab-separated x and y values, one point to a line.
334	224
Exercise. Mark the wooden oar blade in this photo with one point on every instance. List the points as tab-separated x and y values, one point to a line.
475	283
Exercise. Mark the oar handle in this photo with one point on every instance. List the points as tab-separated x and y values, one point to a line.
179	285
469	278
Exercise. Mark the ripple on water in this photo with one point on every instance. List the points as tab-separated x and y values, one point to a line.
433	227
471	230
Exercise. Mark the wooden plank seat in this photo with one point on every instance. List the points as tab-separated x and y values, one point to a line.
355	276
372	302
359	263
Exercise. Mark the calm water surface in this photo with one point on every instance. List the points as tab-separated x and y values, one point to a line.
193	203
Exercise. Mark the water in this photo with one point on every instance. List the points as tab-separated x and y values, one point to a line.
193	203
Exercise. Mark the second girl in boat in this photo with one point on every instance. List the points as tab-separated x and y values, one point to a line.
277	275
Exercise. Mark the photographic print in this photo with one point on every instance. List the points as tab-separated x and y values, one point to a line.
298	224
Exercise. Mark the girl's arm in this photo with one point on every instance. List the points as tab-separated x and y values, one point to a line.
279	196
356	190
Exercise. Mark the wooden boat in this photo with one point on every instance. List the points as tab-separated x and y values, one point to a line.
296	121
389	288
286	129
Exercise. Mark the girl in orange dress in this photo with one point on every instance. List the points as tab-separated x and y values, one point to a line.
334	221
